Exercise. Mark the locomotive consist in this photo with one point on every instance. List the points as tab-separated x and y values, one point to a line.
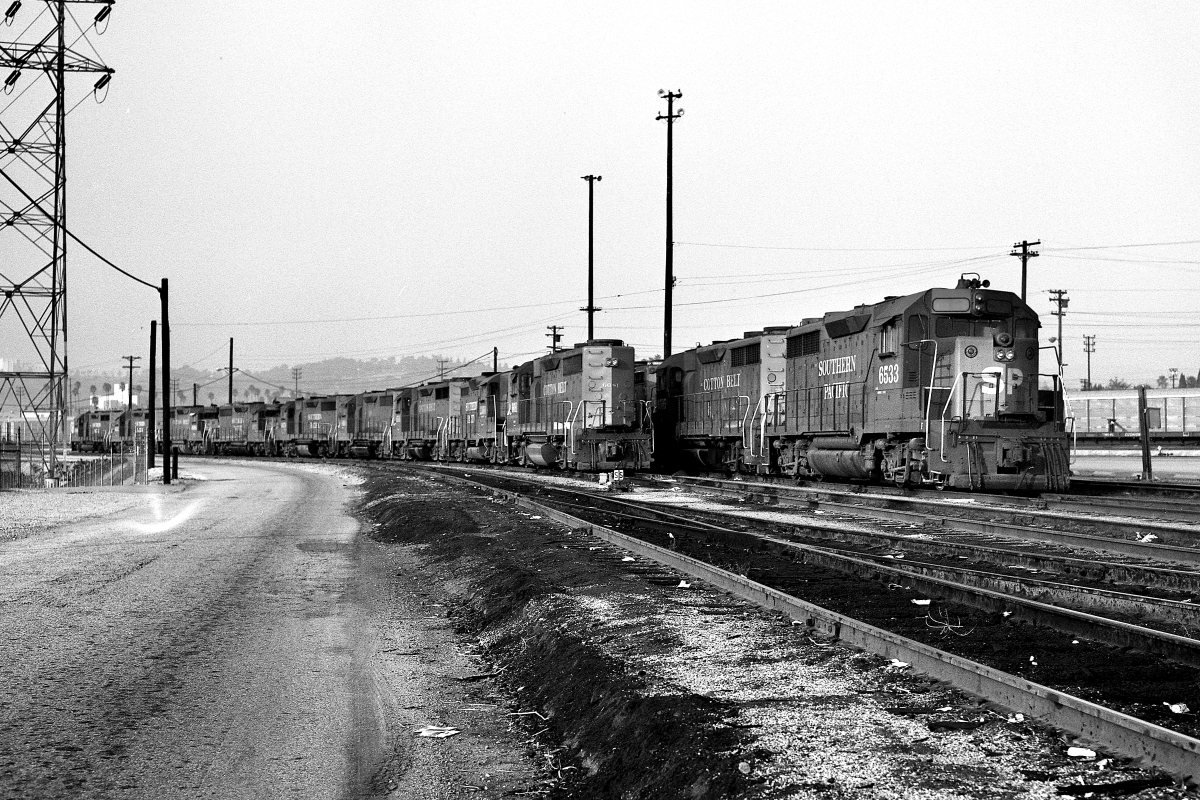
940	388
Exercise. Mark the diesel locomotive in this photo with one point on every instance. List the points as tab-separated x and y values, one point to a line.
940	388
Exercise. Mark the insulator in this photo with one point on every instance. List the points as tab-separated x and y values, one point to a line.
13	8
104	79
11	80
102	14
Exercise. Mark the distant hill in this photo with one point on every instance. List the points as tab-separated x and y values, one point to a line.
333	375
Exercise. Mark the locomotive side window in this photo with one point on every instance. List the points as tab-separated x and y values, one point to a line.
947	327
573	365
441	393
889	338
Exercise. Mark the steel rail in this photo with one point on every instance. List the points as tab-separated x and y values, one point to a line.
780	496
1153	745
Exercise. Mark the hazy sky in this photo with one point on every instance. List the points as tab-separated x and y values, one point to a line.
312	164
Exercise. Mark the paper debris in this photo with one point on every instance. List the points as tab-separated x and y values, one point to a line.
1080	752
535	516
627	558
1177	708
1015	718
921	602
684	585
1149	537
896	663
743	768
437	732
1006	613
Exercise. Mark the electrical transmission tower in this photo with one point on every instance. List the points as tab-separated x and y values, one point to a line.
33	208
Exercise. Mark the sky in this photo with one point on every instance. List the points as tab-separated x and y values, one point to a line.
373	179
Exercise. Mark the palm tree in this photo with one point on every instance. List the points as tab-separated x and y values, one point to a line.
92	394
108	388
211	398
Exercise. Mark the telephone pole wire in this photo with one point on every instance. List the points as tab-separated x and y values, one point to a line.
670	117
1025	253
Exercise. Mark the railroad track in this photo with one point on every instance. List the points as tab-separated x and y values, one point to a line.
780	572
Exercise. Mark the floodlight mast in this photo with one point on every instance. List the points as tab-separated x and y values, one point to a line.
33	161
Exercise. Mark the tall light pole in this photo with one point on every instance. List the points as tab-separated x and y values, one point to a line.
591	306
1174	372
670	117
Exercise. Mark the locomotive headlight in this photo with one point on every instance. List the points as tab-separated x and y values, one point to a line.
1009	355
610	362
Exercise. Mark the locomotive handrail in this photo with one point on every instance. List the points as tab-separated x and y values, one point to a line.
949	399
745	417
1069	413
748	441
932	378
572	411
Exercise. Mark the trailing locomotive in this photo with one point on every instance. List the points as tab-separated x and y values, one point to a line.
939	388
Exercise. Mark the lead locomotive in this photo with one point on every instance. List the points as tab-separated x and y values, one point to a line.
940	388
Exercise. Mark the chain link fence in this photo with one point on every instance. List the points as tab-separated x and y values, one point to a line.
24	465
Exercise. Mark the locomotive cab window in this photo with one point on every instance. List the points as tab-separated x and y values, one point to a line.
889	338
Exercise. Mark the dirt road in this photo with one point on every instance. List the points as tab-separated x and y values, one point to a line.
217	640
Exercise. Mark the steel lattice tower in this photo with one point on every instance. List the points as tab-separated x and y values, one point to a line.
33	211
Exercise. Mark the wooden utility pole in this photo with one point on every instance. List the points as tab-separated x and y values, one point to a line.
129	396
555	336
1060	299
230	370
591	306
1089	347
1144	433
1025	254
150	404
166	372
670	117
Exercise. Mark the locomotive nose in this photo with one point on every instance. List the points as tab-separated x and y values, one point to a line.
1003	339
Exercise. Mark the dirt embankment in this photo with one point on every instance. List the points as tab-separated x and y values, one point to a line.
621	738
633	685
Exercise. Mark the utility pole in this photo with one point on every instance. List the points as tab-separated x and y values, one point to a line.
442	362
230	370
670	117
150	404
1025	254
555	336
164	296
591	306
297	374
33	212
195	394
1089	347
1060	299
1174	372
129	395
495	359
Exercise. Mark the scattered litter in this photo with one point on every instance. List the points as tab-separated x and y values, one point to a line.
684	585
1016	718
896	663
946	708
1177	708
537	714
921	602
627	558
743	768
1149	537
437	732
1006	613
536	516
1074	641
1080	752
1032	661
